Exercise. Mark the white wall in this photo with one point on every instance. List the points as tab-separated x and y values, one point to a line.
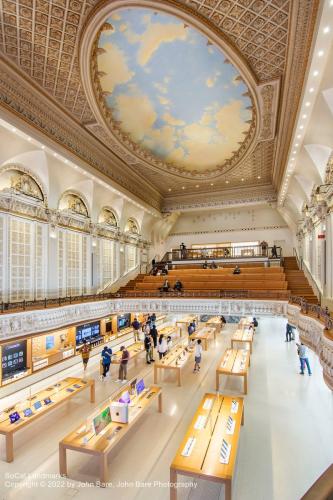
232	225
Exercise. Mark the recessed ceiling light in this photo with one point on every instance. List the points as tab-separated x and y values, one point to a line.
197	186
29	139
320	53
212	184
169	189
304	116
326	30
296	145
227	182
307	104
66	161
301	127
43	147
311	90
259	177
315	73
242	180
299	136
14	129
55	154
183	187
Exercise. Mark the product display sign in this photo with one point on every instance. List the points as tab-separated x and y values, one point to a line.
87	332
14	358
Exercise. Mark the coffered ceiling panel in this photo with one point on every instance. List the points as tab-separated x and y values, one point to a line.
43	38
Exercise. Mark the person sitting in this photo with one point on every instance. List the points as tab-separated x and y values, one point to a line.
274	252
236	270
178	286
165	269
165	287
213	265
223	320
226	252
205	265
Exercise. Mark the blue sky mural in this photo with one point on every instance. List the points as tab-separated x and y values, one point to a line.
172	92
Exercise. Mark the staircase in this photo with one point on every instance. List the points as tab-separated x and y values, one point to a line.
297	281
131	284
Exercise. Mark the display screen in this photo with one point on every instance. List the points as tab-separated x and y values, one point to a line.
47	401
123	321
37	405
14	358
140	386
125	397
102	420
87	332
14	417
27	412
49	342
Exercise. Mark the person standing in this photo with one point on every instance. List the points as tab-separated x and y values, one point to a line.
85	353
288	333
148	343
274	252
136	326
303	357
162	346
123	365
106	355
154	334
153	319
169	343
197	356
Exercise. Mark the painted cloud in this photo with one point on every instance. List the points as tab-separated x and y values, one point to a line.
172	94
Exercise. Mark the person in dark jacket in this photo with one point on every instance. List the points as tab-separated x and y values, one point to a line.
274	252
154	335
178	286
236	270
136	325
106	355
148	343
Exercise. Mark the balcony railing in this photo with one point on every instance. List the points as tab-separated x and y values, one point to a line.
232	253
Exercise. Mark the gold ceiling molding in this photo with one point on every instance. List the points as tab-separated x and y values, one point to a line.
271	37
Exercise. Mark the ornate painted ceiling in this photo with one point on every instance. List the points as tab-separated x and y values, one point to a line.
184	148
171	92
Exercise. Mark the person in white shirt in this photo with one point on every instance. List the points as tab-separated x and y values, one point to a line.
197	356
162	346
169	343
303	358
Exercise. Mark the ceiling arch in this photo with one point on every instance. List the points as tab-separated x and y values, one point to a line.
319	154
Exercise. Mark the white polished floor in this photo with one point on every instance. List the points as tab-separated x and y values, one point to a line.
286	442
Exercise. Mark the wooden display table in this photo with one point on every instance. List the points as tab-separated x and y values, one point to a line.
86	441
244	337
58	394
170	331
207	431
175	360
234	362
216	323
134	351
184	322
245	322
204	334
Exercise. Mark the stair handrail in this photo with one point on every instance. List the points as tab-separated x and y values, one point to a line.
298	259
312	281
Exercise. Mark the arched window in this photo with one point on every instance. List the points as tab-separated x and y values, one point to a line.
108	217
15	180
73	202
132	226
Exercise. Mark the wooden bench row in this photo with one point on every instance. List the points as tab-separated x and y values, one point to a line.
221	285
202	278
249	270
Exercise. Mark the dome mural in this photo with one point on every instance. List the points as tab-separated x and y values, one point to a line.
171	91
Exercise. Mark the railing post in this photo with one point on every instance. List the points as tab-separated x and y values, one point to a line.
24	305
45	303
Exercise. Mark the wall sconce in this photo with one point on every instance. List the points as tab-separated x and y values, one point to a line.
94	242
121	249
53	232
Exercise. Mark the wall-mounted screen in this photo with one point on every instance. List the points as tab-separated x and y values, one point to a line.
87	332
49	342
14	358
123	321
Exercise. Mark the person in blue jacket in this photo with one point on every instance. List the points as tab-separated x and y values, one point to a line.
106	355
